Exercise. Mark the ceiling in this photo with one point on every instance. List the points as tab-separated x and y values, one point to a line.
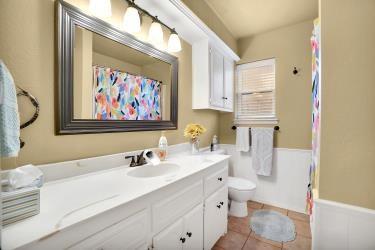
249	17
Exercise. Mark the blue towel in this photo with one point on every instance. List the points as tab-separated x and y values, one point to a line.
9	117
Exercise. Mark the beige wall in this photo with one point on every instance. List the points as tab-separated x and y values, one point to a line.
208	16
291	47
32	63
347	163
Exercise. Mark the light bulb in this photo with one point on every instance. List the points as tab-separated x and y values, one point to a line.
155	35
174	43
100	8
132	21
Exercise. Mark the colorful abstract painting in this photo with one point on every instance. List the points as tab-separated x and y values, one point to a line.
124	96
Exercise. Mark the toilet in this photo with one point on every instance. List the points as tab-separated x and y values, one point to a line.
239	192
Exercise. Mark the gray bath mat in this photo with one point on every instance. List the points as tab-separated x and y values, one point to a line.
272	225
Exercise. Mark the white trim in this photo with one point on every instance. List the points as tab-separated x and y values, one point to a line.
213	38
271	119
337	225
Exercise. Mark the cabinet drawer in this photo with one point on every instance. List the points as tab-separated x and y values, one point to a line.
215	181
168	210
130	233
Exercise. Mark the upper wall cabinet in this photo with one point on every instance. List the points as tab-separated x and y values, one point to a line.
213	78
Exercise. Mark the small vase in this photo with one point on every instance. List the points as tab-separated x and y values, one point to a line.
194	146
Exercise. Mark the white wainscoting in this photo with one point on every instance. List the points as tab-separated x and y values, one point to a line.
340	226
287	185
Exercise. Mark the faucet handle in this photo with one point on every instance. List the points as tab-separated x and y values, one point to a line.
132	163
141	159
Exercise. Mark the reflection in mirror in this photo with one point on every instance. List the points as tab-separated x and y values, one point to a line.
112	81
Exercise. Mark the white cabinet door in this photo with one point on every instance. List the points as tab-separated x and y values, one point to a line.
194	229
170	238
228	84
216	79
215	217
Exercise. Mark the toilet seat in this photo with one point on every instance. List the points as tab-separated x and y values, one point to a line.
240	184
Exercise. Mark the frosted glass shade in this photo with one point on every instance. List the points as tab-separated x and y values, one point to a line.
132	21
174	43
101	8
155	35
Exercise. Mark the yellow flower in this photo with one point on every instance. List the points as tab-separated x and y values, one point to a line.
194	130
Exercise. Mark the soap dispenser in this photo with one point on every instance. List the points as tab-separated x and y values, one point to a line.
163	146
215	143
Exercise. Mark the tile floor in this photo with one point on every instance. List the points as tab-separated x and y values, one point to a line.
239	234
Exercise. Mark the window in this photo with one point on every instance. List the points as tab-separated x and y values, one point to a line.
255	93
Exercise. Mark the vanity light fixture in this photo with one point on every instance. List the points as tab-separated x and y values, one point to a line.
155	34
174	43
132	21
101	8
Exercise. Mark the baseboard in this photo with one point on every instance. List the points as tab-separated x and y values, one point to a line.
340	226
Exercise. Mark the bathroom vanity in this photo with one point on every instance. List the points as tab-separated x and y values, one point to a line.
181	204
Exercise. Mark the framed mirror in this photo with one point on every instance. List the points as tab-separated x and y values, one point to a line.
109	81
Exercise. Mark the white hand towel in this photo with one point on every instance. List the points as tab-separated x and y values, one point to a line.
261	150
242	139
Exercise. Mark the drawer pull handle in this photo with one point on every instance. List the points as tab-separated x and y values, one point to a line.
189	234
222	203
218	206
220	179
182	240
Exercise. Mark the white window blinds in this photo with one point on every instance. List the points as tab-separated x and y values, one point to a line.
255	92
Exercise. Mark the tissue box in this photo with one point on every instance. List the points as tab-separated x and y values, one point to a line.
20	204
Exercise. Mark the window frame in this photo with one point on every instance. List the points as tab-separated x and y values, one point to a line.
267	120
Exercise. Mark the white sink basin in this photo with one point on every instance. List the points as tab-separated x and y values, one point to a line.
148	171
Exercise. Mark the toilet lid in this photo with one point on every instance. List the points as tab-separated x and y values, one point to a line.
240	184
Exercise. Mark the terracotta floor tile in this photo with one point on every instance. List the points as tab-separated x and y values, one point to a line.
217	248
302	228
232	241
239	225
300	243
254	244
277	209
239	229
298	216
271	242
254	204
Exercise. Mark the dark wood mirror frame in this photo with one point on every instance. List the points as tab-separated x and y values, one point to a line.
68	17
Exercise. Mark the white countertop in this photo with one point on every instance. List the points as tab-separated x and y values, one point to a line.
69	201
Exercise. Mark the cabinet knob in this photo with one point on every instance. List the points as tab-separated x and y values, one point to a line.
220	179
222	203
182	240
225	98
189	234
218	206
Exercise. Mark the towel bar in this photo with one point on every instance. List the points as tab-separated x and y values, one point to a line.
276	128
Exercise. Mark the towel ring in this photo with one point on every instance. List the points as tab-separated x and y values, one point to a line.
35	103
